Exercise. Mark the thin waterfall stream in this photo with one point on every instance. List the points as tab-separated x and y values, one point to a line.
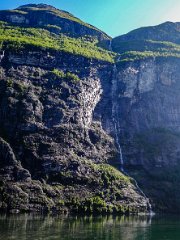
117	130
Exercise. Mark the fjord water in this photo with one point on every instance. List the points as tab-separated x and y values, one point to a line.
29	227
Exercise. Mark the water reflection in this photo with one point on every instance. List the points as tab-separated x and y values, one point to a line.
30	227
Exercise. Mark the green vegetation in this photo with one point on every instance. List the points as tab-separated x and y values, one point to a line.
58	73
139	50
66	76
134	55
17	38
110	174
14	11
9	83
104	185
49	26
96	205
88	205
90	197
145	45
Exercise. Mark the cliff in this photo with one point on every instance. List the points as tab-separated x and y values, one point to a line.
147	110
87	125
54	155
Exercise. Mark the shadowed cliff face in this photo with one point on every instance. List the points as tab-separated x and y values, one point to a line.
147	108
146	99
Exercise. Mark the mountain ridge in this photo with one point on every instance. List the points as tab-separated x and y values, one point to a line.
153	31
32	15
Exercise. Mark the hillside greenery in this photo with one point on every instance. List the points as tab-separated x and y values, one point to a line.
18	38
135	55
14	11
65	76
139	50
144	45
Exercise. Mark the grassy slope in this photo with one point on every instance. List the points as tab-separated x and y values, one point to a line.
17	38
142	49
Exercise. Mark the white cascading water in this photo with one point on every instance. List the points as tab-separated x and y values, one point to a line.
110	45
114	117
117	131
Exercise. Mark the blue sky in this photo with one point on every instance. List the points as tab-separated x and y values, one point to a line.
115	17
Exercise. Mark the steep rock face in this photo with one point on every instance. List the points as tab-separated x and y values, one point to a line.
57	154
147	111
38	101
146	99
67	112
148	96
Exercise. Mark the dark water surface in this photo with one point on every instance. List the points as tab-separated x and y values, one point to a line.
30	227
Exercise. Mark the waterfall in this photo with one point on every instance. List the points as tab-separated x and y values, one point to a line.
117	130
110	45
1	55
114	117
